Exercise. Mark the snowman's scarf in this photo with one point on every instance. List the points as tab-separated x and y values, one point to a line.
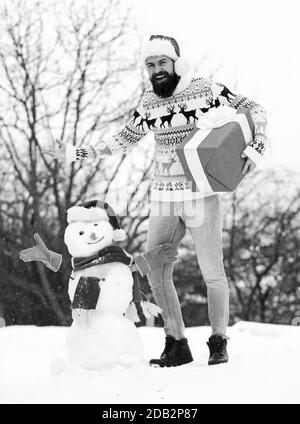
107	255
104	256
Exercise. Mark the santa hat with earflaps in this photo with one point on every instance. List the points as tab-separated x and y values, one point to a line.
96	210
147	308
162	45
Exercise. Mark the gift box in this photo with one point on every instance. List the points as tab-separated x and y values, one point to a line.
211	154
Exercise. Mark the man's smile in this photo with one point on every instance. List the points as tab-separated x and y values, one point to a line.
160	78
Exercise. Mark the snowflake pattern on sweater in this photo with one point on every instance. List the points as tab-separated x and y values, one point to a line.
171	119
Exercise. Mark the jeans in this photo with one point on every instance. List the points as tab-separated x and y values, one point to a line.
167	223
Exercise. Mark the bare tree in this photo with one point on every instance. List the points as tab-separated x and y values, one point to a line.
64	73
261	235
261	239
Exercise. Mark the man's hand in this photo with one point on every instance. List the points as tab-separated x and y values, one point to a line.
57	151
41	253
249	164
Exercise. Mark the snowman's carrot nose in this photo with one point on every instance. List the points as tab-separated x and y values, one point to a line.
93	236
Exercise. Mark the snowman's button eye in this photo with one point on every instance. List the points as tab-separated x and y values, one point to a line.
81	232
95	224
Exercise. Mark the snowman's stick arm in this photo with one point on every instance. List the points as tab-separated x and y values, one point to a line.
41	253
141	265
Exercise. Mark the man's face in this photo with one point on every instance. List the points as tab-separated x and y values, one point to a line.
161	73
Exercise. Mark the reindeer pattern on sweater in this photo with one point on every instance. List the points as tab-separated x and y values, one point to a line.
171	119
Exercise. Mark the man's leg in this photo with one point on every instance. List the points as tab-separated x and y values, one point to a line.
207	237
166	227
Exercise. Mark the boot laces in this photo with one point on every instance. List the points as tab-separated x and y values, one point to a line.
168	346
216	345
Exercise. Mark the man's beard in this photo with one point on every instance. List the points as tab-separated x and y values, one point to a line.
166	87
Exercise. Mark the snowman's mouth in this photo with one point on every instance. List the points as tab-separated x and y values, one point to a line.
97	241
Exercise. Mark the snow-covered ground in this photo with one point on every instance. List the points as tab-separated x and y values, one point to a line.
264	367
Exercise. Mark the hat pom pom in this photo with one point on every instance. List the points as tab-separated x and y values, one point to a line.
119	235
182	66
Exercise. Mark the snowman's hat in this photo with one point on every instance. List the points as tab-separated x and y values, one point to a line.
96	210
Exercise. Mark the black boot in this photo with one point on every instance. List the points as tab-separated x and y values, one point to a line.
170	341
176	352
217	350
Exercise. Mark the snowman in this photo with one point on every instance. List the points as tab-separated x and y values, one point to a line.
101	290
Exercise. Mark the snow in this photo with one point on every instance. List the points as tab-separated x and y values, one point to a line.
263	368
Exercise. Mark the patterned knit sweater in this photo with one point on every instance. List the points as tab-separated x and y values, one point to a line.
171	119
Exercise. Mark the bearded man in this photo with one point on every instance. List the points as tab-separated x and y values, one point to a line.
171	109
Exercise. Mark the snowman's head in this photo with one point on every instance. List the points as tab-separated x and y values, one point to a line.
92	226
87	238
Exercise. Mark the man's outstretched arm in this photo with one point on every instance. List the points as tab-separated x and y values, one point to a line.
133	131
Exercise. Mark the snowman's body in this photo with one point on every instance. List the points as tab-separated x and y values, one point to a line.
101	336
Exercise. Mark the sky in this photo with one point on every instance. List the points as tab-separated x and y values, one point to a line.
253	47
